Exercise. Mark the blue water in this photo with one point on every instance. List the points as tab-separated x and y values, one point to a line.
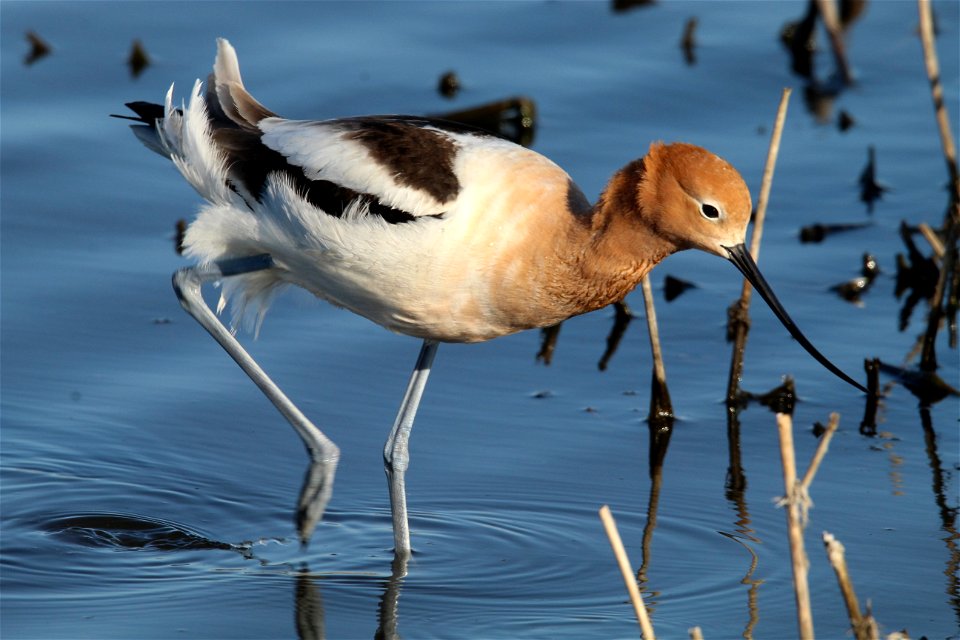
148	488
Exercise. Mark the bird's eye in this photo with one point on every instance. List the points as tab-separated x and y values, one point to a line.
709	211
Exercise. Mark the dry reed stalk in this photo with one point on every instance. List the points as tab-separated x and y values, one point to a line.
792	500
660	405
948	270
821	451
658	369
767	180
928	361
936	89
741	306
864	628
933	240
610	526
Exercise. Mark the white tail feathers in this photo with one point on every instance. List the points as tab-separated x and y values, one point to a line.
186	137
235	102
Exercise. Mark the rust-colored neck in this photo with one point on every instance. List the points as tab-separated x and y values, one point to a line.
619	246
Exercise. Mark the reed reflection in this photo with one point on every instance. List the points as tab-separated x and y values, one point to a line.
799	37
940	484
753	585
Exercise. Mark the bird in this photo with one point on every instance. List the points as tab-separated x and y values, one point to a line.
429	228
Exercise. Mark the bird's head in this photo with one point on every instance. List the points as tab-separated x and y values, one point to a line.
696	200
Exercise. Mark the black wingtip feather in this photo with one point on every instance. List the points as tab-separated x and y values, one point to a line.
147	112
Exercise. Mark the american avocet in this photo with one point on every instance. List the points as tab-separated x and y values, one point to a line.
425	227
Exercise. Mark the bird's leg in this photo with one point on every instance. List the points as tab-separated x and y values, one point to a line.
396	455
324	454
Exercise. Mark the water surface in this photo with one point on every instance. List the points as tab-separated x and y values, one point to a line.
148	488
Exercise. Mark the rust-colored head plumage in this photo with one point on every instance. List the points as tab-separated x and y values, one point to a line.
694	198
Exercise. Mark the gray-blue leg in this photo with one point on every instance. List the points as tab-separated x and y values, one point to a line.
396	454
324	454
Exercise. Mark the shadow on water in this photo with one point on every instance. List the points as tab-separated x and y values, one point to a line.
133	533
125	532
799	37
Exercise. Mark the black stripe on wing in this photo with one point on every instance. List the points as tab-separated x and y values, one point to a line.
416	157
251	163
451	126
415	150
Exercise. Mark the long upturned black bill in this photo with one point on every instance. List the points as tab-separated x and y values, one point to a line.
742	259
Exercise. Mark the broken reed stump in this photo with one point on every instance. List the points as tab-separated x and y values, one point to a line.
660	416
792	502
513	119
660	405
739	319
863	627
796	501
868	426
936	244
945	282
821	451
